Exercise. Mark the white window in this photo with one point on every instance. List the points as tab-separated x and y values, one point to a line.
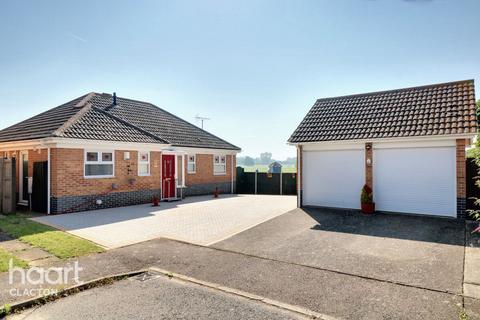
99	164
219	164
143	163
191	165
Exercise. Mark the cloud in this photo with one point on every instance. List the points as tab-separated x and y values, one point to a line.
76	37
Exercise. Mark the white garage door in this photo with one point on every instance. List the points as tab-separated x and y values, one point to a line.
333	178
415	180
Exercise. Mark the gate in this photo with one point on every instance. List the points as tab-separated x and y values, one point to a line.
266	183
7	186
40	186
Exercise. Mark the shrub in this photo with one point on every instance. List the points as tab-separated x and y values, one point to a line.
367	194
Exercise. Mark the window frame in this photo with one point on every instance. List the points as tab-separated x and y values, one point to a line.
221	173
143	162
194	163
99	161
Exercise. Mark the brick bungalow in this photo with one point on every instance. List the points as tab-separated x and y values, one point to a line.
100	151
407	144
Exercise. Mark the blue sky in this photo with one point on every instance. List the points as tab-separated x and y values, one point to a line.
253	67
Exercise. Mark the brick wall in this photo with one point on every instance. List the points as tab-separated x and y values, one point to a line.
369	168
204	179
67	166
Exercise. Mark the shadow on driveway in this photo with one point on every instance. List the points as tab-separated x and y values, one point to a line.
419	251
388	225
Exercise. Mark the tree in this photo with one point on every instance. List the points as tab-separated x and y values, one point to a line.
248	161
266	157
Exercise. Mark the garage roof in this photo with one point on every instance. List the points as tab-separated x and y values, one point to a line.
432	110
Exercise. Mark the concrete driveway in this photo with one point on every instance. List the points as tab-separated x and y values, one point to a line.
199	220
415	251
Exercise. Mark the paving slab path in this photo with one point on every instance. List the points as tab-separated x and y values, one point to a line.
32	255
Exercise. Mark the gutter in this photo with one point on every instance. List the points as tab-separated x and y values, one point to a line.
380	140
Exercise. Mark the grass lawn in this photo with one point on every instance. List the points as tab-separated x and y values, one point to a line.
264	168
58	243
5	259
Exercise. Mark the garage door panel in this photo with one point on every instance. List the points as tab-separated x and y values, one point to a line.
333	178
415	180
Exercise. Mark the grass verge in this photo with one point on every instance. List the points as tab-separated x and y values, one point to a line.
5	259
58	243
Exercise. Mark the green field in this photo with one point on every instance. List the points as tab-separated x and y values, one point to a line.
264	168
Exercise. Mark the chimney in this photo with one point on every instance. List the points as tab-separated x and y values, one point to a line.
114	98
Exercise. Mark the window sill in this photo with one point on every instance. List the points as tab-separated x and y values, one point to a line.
144	175
193	172
220	174
98	177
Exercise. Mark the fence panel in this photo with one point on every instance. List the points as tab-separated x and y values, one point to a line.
8	185
266	183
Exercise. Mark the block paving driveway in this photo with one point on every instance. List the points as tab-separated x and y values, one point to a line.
199	220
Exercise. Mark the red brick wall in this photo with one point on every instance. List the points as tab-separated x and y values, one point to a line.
204	172
369	168
67	166
461	168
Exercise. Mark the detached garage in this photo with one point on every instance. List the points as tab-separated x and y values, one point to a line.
408	145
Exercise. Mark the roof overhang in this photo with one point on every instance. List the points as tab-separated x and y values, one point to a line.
68	143
387	140
200	150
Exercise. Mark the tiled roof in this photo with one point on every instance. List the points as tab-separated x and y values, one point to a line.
95	117
42	125
160	123
95	124
439	109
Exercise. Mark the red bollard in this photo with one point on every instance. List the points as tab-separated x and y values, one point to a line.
215	193
155	201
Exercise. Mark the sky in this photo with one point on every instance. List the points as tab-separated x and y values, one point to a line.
253	67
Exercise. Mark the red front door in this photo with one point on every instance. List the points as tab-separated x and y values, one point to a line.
168	176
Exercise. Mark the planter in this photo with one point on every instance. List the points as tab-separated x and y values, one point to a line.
368	208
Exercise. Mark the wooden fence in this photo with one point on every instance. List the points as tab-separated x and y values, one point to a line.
7	185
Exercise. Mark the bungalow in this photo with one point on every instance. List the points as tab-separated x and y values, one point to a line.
408	145
100	151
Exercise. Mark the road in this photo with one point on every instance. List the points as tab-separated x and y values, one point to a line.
157	297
